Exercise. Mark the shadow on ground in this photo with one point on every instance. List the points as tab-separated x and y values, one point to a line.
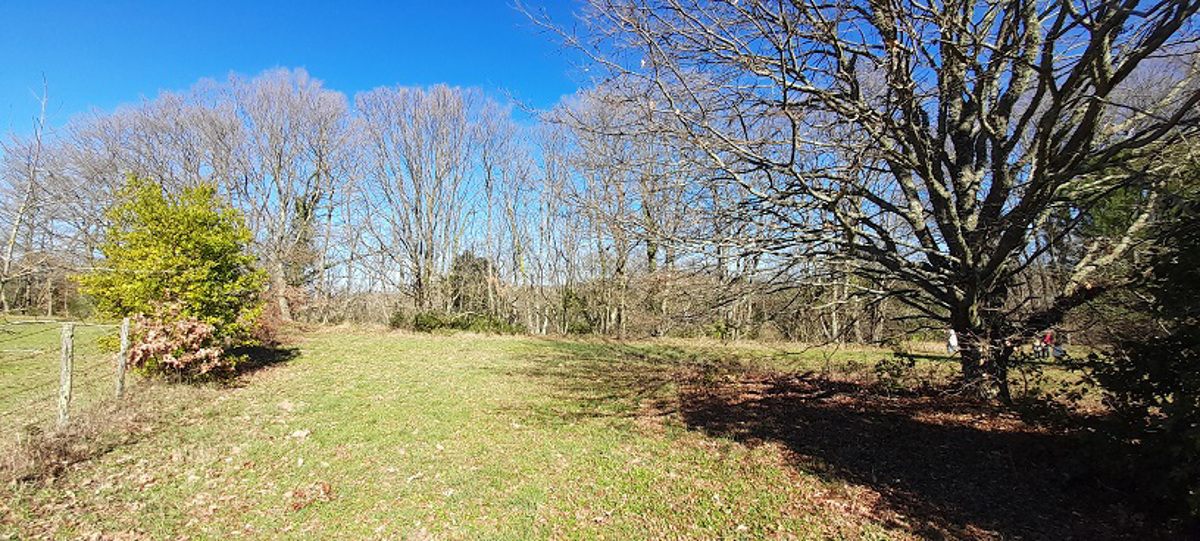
256	358
954	468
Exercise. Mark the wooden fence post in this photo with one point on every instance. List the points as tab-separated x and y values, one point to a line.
123	357
64	374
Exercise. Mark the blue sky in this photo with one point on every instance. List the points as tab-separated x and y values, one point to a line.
105	53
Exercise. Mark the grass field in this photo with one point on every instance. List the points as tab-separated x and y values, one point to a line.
30	357
366	434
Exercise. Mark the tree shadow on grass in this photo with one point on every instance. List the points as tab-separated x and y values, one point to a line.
256	358
951	467
607	379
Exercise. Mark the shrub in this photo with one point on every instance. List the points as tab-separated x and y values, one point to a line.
428	321
186	249
468	280
480	323
109	342
1151	378
177	346
579	326
721	330
400	319
894	372
179	263
259	328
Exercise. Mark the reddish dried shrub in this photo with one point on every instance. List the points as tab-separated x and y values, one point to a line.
177	346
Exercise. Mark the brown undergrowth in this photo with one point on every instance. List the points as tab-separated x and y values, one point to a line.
43	456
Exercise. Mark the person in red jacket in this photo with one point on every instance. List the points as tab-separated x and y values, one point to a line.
1047	345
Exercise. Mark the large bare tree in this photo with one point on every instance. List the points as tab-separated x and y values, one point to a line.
921	143
421	154
22	167
288	164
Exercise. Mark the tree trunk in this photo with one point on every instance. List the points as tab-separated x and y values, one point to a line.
985	363
971	355
49	294
279	285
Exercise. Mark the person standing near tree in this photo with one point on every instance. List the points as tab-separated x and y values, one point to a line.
951	342
1047	344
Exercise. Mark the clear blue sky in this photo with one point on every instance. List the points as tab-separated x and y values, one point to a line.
108	52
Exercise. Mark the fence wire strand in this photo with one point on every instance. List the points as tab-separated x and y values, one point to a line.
30	390
27	335
33	405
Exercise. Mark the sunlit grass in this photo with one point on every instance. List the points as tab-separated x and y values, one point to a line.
369	434
30	359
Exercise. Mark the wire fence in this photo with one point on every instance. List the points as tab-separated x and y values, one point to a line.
37	391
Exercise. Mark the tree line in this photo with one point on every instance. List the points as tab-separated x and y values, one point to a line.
404	201
822	172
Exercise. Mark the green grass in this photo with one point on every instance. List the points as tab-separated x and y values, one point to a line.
394	435
30	359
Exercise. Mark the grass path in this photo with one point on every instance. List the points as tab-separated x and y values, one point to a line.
369	435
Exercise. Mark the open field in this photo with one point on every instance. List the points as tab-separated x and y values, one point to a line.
368	434
30	355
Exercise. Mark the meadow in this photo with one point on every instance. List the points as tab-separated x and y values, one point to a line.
365	433
30	356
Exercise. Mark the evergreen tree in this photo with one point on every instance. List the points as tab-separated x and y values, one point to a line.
186	249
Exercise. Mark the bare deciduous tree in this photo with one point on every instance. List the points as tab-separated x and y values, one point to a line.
922	144
421	157
289	162
23	167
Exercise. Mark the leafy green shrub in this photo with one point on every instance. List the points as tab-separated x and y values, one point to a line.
721	330
579	326
187	249
1151	378
429	321
400	319
109	342
575	312
179	263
